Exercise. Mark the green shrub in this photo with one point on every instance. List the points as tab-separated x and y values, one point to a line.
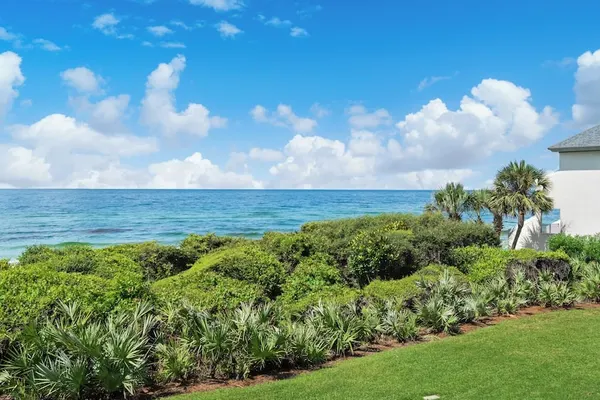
157	261
584	247
4	264
36	254
406	288
290	248
434	244
32	292
246	263
109	265
378	254
312	275
572	245
336	235
195	246
206	290
335	294
482	263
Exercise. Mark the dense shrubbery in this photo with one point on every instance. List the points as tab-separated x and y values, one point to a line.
316	293
408	288
584	247
482	263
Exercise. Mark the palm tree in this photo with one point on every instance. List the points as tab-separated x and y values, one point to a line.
519	189
478	202
452	200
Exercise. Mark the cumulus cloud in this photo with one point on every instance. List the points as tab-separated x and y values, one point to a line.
298	32
319	111
20	167
219	5
107	24
228	30
360	118
159	30
11	77
158	106
586	110
47	45
60	132
105	115
7	36
83	80
284	116
197	172
498	116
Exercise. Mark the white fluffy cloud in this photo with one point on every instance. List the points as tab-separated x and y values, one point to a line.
586	111
107	24
106	115
159	30
10	78
7	36
158	106
19	167
360	118
284	116
83	80
228	30
47	45
265	155
60	132
219	5
298	32
498	117
197	172
319	111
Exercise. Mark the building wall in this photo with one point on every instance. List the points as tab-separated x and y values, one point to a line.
577	195
581	160
532	236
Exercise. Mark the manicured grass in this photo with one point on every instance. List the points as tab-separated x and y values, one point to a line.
547	356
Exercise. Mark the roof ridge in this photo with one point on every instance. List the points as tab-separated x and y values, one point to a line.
586	140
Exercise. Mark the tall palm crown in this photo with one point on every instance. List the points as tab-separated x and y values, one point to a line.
479	201
452	200
520	189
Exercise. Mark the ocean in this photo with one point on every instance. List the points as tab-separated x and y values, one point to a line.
105	217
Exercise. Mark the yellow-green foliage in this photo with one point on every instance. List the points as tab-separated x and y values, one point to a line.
30	292
312	275
291	248
195	246
205	289
337	294
482	263
224	279
4	264
406	288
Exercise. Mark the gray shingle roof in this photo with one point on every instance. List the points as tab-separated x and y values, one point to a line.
587	140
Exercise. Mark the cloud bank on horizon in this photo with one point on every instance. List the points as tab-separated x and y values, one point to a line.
101	130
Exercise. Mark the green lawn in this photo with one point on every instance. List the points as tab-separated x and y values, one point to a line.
547	356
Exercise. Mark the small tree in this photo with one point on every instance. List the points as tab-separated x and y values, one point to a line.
520	189
452	200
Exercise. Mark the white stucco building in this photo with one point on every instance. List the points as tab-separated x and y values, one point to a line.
575	190
576	184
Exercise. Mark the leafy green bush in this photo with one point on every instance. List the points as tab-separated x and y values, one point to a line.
36	254
157	261
482	263
434	244
379	254
585	247
335	294
206	290
246	263
4	264
291	248
31	292
406	288
195	246
336	235
312	275
572	245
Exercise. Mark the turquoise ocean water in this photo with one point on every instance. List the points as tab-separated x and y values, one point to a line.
104	217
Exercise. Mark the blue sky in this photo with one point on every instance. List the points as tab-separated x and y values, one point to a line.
294	94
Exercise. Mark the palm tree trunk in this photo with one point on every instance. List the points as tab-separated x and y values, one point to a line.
498	224
520	223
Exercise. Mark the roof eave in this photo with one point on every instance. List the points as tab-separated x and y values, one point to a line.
573	149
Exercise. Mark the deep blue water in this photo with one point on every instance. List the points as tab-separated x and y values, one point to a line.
104	217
